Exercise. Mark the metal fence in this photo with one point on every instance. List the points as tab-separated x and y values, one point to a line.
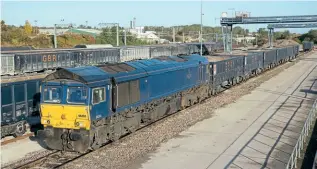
296	153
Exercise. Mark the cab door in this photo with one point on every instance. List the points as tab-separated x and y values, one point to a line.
100	97
200	72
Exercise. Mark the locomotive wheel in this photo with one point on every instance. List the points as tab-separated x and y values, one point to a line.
20	129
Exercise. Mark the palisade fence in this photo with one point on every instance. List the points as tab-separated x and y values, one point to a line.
296	153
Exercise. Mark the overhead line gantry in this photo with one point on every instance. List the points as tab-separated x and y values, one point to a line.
227	24
271	28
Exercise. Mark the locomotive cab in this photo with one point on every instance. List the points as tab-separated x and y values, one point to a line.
68	105
65	105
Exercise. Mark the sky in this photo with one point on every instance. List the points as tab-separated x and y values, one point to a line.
147	13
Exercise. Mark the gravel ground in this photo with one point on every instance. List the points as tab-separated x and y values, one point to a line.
30	157
135	146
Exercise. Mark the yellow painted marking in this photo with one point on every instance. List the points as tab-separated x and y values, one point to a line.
65	116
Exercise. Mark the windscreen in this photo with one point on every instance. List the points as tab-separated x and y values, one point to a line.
77	95
52	94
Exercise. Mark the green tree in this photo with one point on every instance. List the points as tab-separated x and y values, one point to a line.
3	26
286	35
238	30
247	31
27	28
278	35
262	36
310	36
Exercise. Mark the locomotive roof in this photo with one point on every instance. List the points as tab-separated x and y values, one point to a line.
85	74
124	71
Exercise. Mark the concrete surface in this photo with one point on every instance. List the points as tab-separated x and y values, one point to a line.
257	131
19	149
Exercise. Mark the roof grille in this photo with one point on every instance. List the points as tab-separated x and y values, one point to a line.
116	68
176	58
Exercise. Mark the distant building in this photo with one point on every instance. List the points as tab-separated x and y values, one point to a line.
149	36
137	30
247	39
164	41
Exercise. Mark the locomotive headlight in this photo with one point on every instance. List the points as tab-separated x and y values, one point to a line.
79	124
46	121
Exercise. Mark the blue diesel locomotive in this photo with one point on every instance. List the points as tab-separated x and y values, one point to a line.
89	106
16	88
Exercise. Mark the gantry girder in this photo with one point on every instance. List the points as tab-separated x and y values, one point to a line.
271	28
227	24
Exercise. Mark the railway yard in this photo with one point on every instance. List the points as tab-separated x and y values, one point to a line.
258	130
218	133
210	104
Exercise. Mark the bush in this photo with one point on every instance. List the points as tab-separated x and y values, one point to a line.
310	36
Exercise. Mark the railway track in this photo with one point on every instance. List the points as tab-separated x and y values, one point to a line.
5	142
57	159
52	160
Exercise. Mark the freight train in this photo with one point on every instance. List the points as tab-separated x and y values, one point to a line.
20	93
308	46
34	61
17	48
20	97
84	108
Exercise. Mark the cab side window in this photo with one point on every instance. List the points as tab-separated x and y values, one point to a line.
98	95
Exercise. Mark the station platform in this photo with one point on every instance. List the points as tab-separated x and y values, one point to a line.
259	130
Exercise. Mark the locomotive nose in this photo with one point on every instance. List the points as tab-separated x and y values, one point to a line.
74	136
42	134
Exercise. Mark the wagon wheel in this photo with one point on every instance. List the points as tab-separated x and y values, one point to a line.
20	129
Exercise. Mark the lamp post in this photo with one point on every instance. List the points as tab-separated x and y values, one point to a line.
125	37
35	26
201	27
114	24
232	26
55	33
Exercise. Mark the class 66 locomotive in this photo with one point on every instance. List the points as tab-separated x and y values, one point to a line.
84	108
